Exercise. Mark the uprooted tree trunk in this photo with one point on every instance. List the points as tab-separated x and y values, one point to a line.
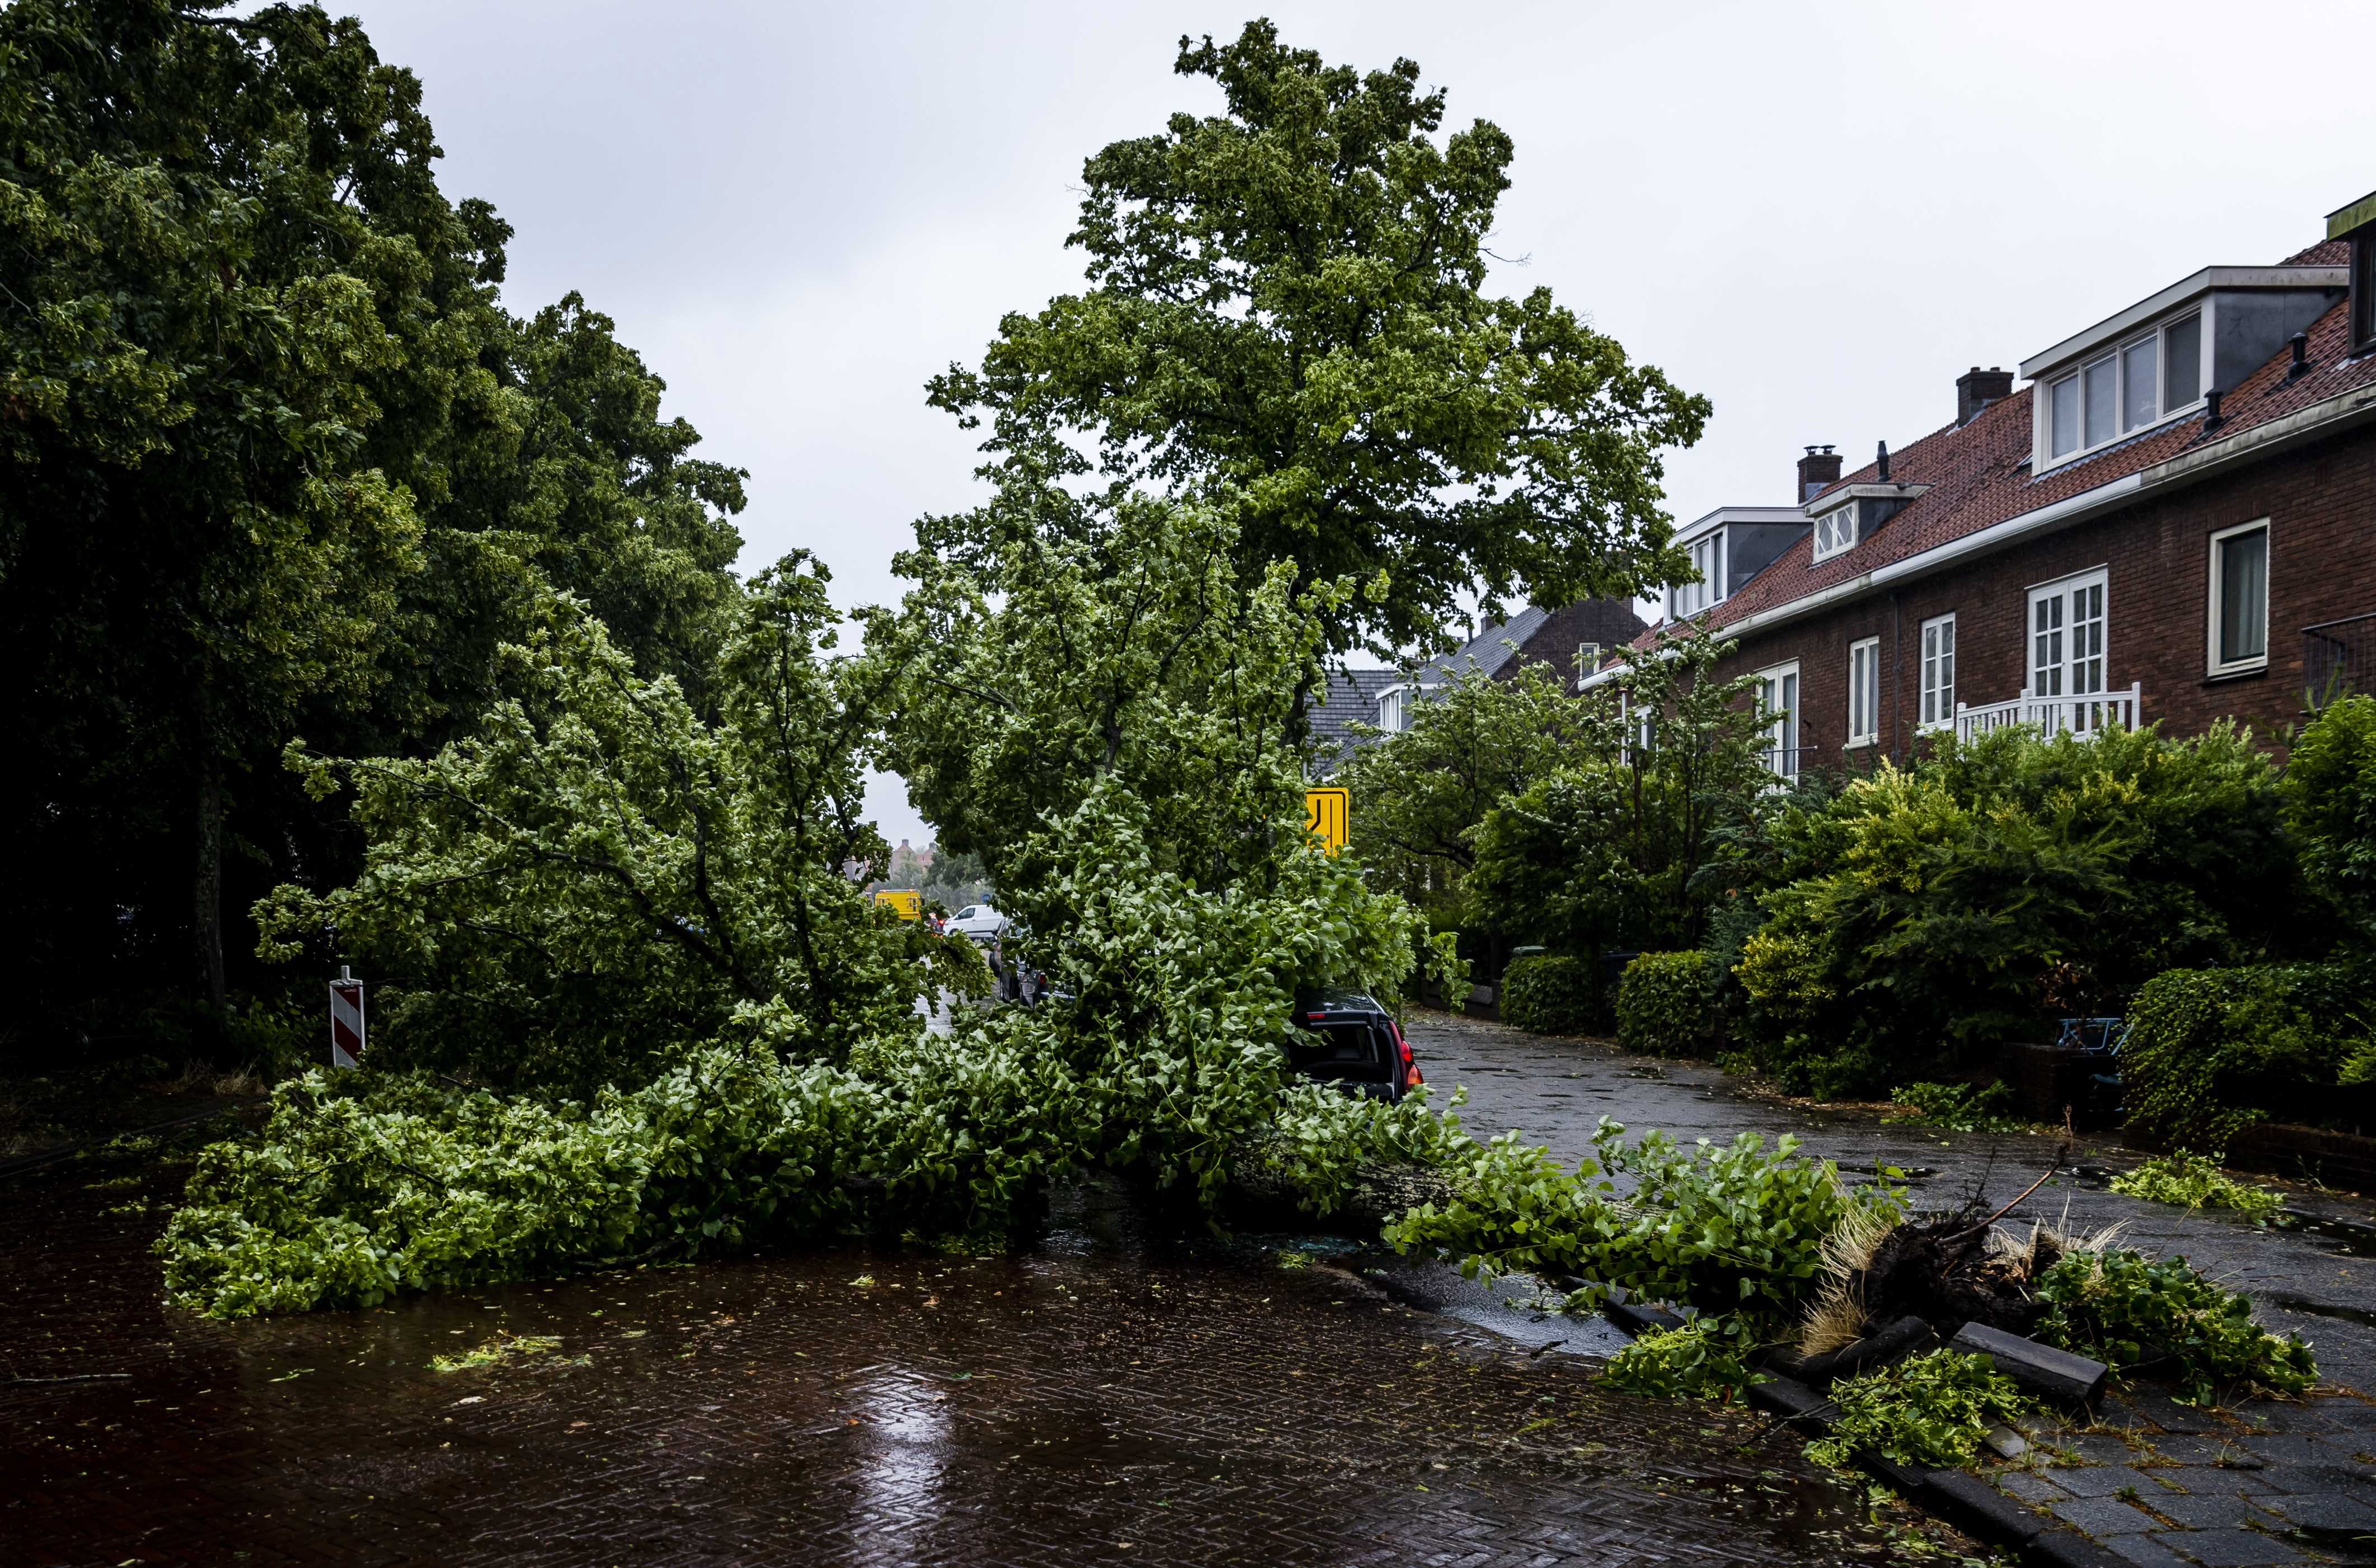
1260	1187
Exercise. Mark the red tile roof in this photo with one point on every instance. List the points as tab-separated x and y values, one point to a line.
1979	473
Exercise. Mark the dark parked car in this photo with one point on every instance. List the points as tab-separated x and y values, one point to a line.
1345	1037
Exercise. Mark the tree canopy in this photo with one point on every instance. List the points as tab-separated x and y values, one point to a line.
1288	301
277	459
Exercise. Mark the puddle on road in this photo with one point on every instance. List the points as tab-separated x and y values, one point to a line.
1100	1398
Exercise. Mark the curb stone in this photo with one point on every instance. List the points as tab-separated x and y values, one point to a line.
1956	1497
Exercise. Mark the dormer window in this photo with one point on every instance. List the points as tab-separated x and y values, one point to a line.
2120	392
2357	224
2363	290
1686	600
1395	702
1835	530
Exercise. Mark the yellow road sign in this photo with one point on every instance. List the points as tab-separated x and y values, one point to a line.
1328	817
907	904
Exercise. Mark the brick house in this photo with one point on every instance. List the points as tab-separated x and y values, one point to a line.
2173	520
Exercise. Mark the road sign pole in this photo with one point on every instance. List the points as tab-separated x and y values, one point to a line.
346	1020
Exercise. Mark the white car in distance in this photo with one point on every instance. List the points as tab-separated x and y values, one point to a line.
978	920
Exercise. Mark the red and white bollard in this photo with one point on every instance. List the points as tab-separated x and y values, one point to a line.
346	1020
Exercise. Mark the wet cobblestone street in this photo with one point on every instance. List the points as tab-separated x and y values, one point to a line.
1102	1399
1097	1400
2319	1283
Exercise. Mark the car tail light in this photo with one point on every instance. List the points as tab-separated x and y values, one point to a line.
1315	1017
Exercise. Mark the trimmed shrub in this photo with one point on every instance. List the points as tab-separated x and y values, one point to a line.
2330	795
2210	1052
1923	918
1554	993
1666	1004
2190	1180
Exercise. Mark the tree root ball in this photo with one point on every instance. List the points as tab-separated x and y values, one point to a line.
1948	1274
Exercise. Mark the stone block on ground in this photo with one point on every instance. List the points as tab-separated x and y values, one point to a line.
2066	1548
2100	1480
2238	1549
2040	1369
1787	1397
2205	1511
2101	1515
1907	1337
2144	1551
2324	1515
1640	1317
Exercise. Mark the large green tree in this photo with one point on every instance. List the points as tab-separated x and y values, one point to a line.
1613	846
1288	301
275	460
1425	790
1044	662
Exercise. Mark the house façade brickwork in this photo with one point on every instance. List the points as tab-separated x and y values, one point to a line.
2320	505
2272	423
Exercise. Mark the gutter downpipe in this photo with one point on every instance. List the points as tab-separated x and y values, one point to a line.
1896	678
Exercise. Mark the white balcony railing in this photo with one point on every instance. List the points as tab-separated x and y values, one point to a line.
2052	716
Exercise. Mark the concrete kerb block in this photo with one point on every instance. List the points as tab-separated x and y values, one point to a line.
2067	1549
1959	1497
2042	1369
1638	1318
1980	1510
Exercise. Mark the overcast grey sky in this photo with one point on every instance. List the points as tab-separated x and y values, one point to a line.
1817	215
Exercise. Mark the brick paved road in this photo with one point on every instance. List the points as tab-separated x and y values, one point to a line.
2319	1285
1100	1400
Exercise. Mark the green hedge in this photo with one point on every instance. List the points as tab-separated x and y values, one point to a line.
1666	1004
1554	993
2211	1052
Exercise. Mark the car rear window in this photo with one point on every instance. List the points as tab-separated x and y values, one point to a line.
1353	1048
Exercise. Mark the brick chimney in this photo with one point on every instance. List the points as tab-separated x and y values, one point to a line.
1976	388
1818	470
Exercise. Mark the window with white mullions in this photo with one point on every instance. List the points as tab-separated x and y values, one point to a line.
1864	691
1938	671
1707	559
2239	599
2068	643
2046	646
1777	701
2145	380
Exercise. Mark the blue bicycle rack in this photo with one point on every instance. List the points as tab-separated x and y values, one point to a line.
2102	1039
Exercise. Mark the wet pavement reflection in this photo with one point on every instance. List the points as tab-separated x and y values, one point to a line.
1101	1398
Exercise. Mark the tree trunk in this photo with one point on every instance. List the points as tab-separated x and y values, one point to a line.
1258	1188
206	884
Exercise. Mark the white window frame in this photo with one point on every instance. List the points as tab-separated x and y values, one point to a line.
2069	630
1687	600
1936	709
1864	691
2042	403
1835	530
1782	747
2211	661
